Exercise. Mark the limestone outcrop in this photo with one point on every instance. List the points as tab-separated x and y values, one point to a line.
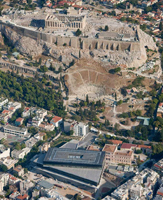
65	54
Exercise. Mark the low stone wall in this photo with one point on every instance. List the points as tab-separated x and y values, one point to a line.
27	70
17	68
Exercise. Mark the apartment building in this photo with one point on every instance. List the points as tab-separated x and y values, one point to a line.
40	136
19	154
3	101
18	131
4	152
56	121
18	170
46	127
28	111
40	114
12	106
80	129
31	142
19	121
6	115
117	156
3	180
8	162
44	147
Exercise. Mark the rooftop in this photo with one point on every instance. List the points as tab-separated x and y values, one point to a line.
74	157
19	119
56	119
15	128
93	148
45	184
124	153
127	146
116	141
109	148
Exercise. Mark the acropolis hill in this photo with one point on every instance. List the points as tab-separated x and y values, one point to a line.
54	34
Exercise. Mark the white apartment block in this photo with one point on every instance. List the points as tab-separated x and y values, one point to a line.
4	178
8	162
80	129
13	106
40	114
4	152
18	131
31	142
19	154
3	101
56	121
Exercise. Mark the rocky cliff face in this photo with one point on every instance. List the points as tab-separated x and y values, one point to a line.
31	47
24	45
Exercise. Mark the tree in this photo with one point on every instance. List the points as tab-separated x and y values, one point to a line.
78	32
71	132
29	2
119	102
25	170
87	99
143	27
2	122
160	26
33	130
1	9
60	69
3	168
40	61
45	137
116	126
77	197
106	28
43	69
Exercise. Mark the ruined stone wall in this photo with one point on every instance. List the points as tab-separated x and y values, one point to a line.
75	42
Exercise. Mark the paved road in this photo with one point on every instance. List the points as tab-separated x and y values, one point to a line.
86	141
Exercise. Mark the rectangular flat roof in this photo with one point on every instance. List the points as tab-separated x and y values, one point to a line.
15	128
45	184
74	157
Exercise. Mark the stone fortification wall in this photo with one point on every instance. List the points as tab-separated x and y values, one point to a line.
26	70
75	42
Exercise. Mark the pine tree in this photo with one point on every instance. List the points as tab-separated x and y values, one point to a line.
160	26
87	99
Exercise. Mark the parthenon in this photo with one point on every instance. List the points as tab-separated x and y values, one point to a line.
73	20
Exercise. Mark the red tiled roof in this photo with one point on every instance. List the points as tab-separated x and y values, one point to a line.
5	111
19	119
127	145
160	193
144	146
116	141
12	177
22	196
157	166
49	5
109	148
56	119
11	108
